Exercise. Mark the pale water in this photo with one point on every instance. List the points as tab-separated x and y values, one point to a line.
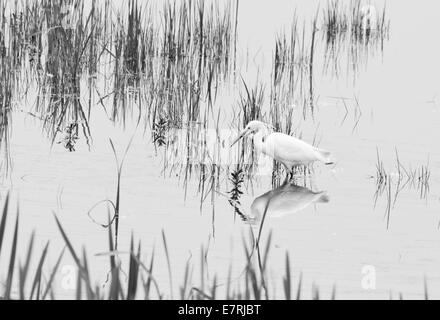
337	243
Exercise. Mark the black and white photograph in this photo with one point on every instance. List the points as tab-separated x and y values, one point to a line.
202	151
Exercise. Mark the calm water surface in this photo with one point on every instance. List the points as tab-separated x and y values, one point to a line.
330	243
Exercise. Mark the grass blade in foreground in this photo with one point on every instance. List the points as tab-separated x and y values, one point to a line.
12	262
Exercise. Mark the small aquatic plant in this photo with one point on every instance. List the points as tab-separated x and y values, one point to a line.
159	132
237	180
70	137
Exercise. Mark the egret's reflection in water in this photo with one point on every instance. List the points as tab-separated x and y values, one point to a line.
286	199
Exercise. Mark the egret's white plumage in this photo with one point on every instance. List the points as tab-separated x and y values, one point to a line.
286	149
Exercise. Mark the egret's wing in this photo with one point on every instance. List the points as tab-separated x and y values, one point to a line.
287	148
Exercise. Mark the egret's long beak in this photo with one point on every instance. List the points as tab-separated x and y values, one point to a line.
243	134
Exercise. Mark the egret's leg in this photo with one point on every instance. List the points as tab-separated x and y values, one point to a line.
292	174
288	174
287	178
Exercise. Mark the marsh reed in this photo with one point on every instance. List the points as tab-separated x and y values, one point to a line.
7	89
31	282
75	51
355	30
393	183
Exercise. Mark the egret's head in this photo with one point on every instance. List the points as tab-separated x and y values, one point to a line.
252	128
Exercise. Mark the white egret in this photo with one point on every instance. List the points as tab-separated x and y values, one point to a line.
285	149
